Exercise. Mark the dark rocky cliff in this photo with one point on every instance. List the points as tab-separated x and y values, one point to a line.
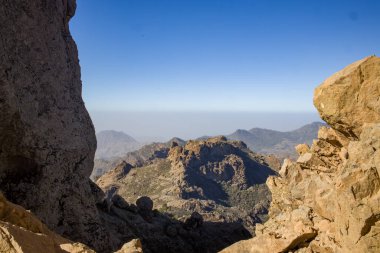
47	140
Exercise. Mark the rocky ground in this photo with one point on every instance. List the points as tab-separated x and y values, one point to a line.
328	200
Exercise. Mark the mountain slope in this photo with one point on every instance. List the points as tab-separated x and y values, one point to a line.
113	144
282	144
138	158
223	180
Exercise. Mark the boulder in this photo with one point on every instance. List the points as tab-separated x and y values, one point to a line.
145	206
194	221
119	202
134	246
350	98
302	149
144	203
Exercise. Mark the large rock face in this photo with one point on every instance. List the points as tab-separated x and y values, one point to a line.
47	140
328	201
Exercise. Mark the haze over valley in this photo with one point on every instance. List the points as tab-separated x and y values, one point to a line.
161	126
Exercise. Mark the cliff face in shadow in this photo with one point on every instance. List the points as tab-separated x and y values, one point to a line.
328	200
47	140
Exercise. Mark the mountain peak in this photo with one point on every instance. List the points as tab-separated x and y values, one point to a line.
113	143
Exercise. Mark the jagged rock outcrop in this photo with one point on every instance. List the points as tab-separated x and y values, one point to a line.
142	157
200	163
199	194
202	175
328	201
47	140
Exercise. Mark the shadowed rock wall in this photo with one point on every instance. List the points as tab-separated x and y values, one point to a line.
47	139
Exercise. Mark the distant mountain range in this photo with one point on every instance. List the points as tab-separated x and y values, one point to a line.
281	144
114	144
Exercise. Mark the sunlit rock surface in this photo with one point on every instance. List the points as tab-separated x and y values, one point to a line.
329	200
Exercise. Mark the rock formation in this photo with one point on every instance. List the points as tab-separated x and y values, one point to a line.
198	191
142	157
329	199
21	231
47	140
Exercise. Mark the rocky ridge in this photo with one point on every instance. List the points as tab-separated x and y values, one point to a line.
139	158
213	177
280	144
328	200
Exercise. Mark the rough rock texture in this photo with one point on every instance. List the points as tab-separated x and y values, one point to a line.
329	200
213	177
47	140
350	98
134	246
199	194
142	157
160	232
21	231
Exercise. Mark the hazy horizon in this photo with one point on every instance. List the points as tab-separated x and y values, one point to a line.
162	126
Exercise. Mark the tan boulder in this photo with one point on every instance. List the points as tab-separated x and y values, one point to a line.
350	98
302	149
134	246
22	232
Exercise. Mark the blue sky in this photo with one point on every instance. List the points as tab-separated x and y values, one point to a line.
217	55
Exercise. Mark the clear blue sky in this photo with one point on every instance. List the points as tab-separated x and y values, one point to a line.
217	55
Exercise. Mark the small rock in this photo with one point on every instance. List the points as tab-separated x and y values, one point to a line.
195	221
118	201
302	149
144	203
134	246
